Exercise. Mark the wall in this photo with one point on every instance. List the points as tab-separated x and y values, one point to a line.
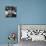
33	12
28	12
8	25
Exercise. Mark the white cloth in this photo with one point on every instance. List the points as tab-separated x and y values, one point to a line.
24	33
37	37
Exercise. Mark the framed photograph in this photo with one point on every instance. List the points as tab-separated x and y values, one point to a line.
32	32
10	11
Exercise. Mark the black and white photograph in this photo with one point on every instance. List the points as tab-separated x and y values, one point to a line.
10	11
31	34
